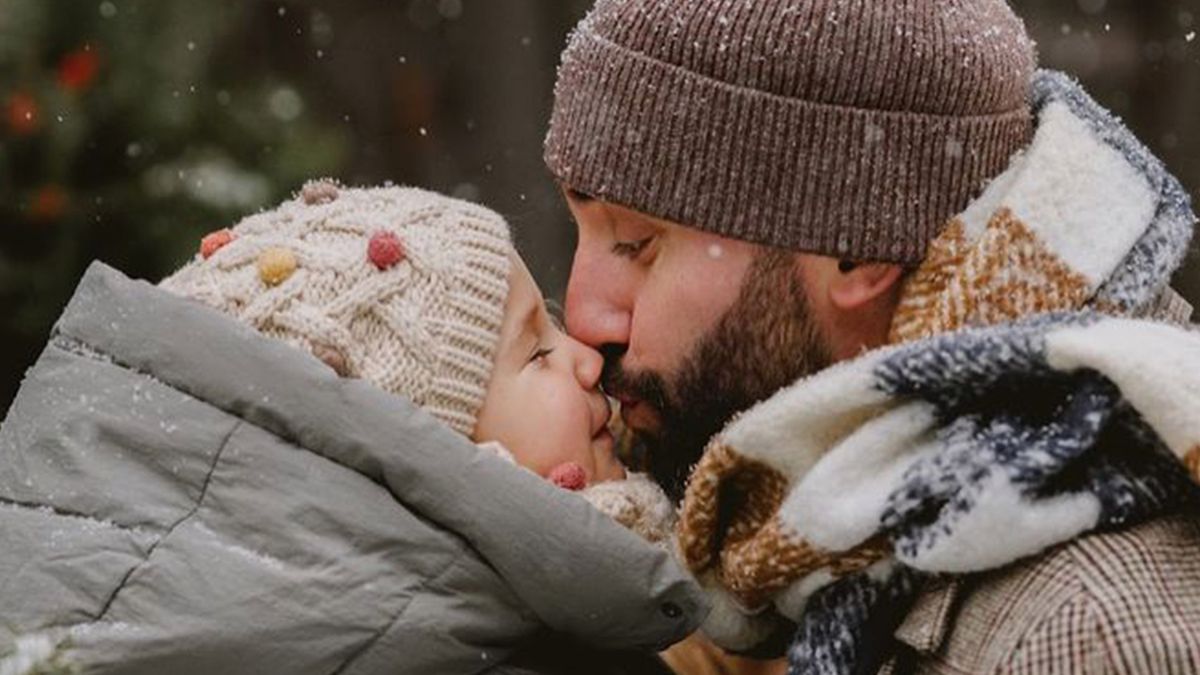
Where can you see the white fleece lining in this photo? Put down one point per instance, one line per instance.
(1067, 196)
(979, 212)
(790, 602)
(1156, 367)
(838, 505)
(1061, 187)
(728, 624)
(793, 429)
(1003, 526)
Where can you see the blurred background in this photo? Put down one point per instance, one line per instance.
(130, 128)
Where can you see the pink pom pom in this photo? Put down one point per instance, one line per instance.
(569, 476)
(213, 242)
(385, 250)
(319, 192)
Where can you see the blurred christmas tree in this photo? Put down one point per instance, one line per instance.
(128, 129)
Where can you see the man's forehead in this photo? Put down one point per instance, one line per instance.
(621, 219)
(614, 214)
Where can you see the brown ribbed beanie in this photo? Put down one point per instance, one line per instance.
(850, 128)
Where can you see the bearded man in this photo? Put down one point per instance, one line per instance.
(891, 308)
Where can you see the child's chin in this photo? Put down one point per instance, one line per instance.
(611, 469)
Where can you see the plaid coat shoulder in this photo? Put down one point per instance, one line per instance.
(1125, 602)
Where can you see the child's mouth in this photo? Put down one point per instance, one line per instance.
(602, 417)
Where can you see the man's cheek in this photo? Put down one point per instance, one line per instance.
(657, 346)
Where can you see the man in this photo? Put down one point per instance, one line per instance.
(995, 477)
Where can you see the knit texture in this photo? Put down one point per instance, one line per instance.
(1033, 394)
(398, 286)
(638, 503)
(850, 128)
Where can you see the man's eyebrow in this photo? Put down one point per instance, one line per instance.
(576, 195)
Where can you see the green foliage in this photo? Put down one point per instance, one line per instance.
(128, 129)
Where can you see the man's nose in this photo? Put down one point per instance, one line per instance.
(589, 364)
(597, 312)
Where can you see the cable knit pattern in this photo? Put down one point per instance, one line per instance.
(425, 326)
(638, 503)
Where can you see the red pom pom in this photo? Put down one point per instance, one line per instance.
(569, 476)
(213, 242)
(385, 250)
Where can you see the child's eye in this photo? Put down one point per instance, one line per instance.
(540, 353)
(631, 249)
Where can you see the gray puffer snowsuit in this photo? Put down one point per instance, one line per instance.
(179, 494)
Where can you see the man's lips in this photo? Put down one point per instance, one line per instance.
(625, 400)
(638, 415)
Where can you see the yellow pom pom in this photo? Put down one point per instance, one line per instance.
(275, 265)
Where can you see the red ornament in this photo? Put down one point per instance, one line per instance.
(21, 113)
(49, 203)
(385, 250)
(78, 69)
(569, 476)
(213, 242)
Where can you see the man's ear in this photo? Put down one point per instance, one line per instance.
(855, 286)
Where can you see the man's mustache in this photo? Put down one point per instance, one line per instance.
(620, 383)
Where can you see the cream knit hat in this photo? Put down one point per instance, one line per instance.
(401, 287)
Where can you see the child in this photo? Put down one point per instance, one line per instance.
(441, 311)
(241, 490)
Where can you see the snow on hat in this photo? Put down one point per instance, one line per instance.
(401, 287)
(851, 128)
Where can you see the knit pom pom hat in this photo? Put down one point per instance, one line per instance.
(401, 287)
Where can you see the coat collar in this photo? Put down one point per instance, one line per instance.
(637, 596)
(928, 623)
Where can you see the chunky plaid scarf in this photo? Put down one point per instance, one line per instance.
(1040, 385)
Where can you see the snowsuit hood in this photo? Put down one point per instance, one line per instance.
(180, 494)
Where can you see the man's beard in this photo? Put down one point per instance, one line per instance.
(765, 341)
